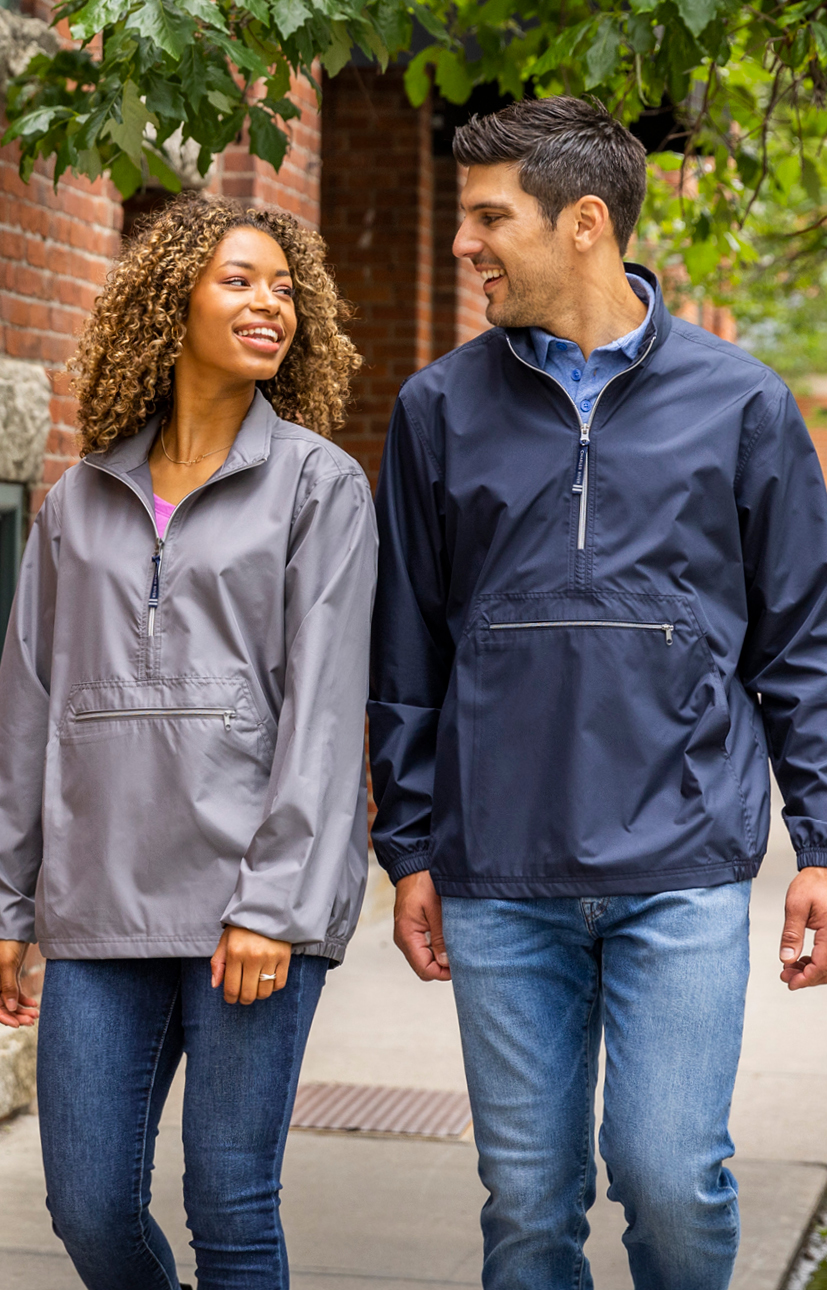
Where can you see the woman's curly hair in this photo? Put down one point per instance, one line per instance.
(123, 366)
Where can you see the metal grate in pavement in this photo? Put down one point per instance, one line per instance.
(372, 1108)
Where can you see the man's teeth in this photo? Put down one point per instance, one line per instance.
(488, 274)
(266, 332)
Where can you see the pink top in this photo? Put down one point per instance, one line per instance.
(163, 510)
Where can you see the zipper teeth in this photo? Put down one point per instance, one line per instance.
(585, 622)
(159, 541)
(113, 714)
(585, 426)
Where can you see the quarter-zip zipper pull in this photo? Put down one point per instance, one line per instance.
(582, 460)
(155, 589)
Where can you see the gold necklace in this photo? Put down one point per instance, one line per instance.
(195, 460)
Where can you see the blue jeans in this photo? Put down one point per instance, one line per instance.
(111, 1036)
(664, 978)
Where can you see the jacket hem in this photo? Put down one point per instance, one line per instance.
(811, 859)
(530, 887)
(166, 947)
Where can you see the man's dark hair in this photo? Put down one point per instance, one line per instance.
(566, 149)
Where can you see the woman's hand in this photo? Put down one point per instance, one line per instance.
(16, 1008)
(240, 960)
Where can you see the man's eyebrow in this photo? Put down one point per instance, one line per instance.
(489, 206)
(243, 264)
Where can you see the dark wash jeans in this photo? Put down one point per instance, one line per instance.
(111, 1036)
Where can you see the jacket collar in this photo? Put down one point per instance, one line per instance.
(660, 324)
(250, 448)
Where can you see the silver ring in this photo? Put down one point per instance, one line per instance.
(266, 976)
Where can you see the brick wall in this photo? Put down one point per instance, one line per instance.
(376, 200)
(55, 249)
(296, 187)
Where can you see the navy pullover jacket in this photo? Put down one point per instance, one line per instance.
(590, 631)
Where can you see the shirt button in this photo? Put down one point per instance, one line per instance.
(561, 345)
(585, 405)
(576, 374)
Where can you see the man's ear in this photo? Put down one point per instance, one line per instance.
(591, 222)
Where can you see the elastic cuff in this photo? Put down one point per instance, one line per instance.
(416, 863)
(812, 859)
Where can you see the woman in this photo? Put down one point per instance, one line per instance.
(182, 696)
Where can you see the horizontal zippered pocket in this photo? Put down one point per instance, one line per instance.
(666, 628)
(118, 714)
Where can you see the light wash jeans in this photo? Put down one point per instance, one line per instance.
(664, 978)
(112, 1033)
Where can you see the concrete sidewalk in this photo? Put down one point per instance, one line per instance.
(367, 1213)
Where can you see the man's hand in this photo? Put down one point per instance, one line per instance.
(242, 956)
(806, 907)
(417, 930)
(16, 1008)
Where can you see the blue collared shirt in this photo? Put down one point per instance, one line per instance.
(583, 380)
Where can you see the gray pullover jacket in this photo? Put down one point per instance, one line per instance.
(182, 722)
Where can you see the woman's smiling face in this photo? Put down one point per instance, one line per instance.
(242, 316)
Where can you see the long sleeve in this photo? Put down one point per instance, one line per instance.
(25, 673)
(290, 879)
(783, 509)
(412, 651)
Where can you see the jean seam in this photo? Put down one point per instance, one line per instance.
(586, 1157)
(142, 1165)
(288, 1109)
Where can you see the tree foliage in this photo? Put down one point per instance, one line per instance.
(145, 69)
(738, 185)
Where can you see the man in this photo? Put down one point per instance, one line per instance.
(603, 599)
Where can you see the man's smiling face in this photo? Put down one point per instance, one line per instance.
(511, 246)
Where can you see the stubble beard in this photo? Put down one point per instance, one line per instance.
(521, 307)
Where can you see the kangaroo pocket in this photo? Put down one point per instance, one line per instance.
(599, 741)
(153, 791)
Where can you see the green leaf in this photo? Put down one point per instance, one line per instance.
(640, 34)
(159, 168)
(96, 15)
(453, 77)
(337, 54)
(697, 14)
(644, 6)
(819, 31)
(430, 22)
(785, 173)
(125, 175)
(810, 179)
(393, 23)
(164, 96)
(129, 132)
(208, 11)
(239, 54)
(259, 9)
(603, 53)
(266, 139)
(170, 29)
(701, 259)
(289, 15)
(193, 73)
(89, 163)
(417, 80)
(665, 160)
(285, 108)
(561, 48)
(221, 102)
(36, 123)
